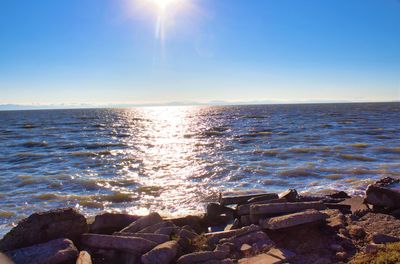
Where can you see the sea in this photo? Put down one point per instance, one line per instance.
(175, 159)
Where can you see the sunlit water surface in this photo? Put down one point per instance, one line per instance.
(175, 159)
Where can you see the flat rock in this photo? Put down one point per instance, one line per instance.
(383, 239)
(84, 258)
(194, 221)
(356, 204)
(155, 227)
(281, 253)
(284, 208)
(239, 199)
(290, 195)
(291, 220)
(162, 254)
(215, 237)
(202, 256)
(53, 252)
(384, 193)
(45, 226)
(259, 238)
(156, 238)
(261, 259)
(143, 222)
(134, 245)
(108, 223)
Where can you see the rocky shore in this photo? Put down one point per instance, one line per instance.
(247, 229)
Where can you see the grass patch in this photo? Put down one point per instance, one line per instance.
(389, 254)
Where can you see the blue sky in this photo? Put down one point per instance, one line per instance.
(107, 52)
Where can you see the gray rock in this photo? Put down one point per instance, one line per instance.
(216, 209)
(295, 219)
(284, 208)
(187, 234)
(244, 209)
(84, 258)
(52, 252)
(260, 238)
(202, 256)
(384, 193)
(162, 254)
(167, 230)
(156, 238)
(108, 223)
(143, 222)
(196, 222)
(134, 245)
(45, 226)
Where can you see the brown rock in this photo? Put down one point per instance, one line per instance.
(167, 230)
(214, 238)
(282, 254)
(356, 231)
(356, 204)
(216, 209)
(194, 221)
(162, 254)
(244, 209)
(260, 238)
(187, 234)
(202, 256)
(134, 245)
(380, 223)
(55, 251)
(261, 259)
(45, 226)
(143, 222)
(284, 208)
(156, 238)
(84, 258)
(290, 220)
(339, 195)
(108, 223)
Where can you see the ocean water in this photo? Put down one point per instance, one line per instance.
(175, 159)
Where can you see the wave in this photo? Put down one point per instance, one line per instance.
(31, 144)
(356, 157)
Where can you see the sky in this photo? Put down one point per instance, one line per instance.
(136, 52)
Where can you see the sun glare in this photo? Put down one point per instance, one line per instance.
(162, 5)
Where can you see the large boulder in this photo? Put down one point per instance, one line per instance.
(108, 223)
(45, 226)
(52, 252)
(162, 254)
(286, 221)
(384, 193)
(143, 222)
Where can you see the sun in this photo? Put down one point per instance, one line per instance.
(162, 5)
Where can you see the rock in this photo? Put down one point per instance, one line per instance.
(336, 247)
(162, 254)
(55, 251)
(343, 208)
(339, 195)
(282, 254)
(322, 260)
(246, 249)
(265, 198)
(244, 209)
(109, 223)
(342, 255)
(284, 208)
(187, 234)
(245, 220)
(134, 245)
(380, 223)
(84, 258)
(143, 222)
(226, 200)
(5, 260)
(224, 261)
(201, 256)
(290, 220)
(45, 226)
(195, 222)
(356, 231)
(261, 259)
(384, 193)
(383, 239)
(232, 226)
(290, 195)
(214, 238)
(260, 238)
(155, 227)
(372, 248)
(356, 204)
(336, 219)
(156, 238)
(216, 209)
(167, 230)
(189, 228)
